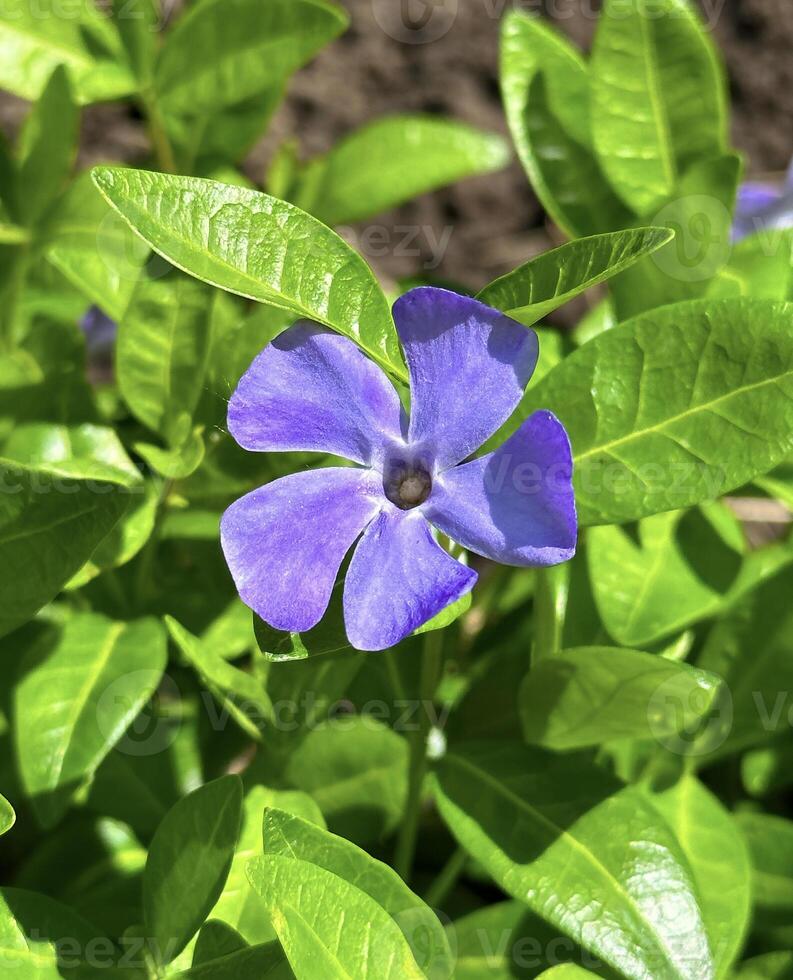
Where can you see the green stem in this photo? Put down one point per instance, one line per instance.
(550, 608)
(163, 151)
(447, 879)
(431, 666)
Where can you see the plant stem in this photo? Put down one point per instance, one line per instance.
(163, 151)
(447, 878)
(431, 666)
(550, 609)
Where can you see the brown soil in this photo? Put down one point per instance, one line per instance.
(495, 221)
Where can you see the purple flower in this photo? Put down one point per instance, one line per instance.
(763, 206)
(313, 390)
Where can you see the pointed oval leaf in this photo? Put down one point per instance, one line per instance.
(80, 690)
(544, 283)
(49, 526)
(7, 815)
(562, 836)
(593, 695)
(259, 247)
(658, 97)
(719, 861)
(222, 52)
(391, 161)
(677, 406)
(239, 906)
(289, 835)
(327, 926)
(189, 861)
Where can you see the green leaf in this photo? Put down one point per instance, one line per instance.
(392, 160)
(163, 350)
(566, 971)
(566, 174)
(41, 939)
(593, 695)
(259, 247)
(188, 863)
(177, 463)
(770, 841)
(290, 836)
(326, 925)
(679, 405)
(356, 770)
(85, 452)
(242, 694)
(700, 214)
(224, 51)
(677, 573)
(561, 835)
(770, 966)
(94, 248)
(719, 863)
(49, 526)
(530, 46)
(658, 98)
(239, 906)
(36, 38)
(47, 146)
(7, 816)
(266, 962)
(127, 538)
(13, 234)
(543, 284)
(214, 940)
(80, 690)
(750, 649)
(137, 22)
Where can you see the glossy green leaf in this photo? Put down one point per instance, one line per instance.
(566, 971)
(13, 234)
(265, 962)
(290, 836)
(770, 841)
(677, 572)
(41, 939)
(677, 406)
(94, 248)
(50, 525)
(79, 691)
(259, 247)
(560, 835)
(328, 926)
(239, 906)
(356, 770)
(242, 694)
(224, 51)
(47, 147)
(658, 97)
(87, 452)
(392, 160)
(216, 939)
(700, 214)
(530, 46)
(163, 350)
(127, 538)
(36, 38)
(565, 172)
(760, 265)
(478, 941)
(719, 863)
(593, 695)
(188, 863)
(7, 815)
(542, 284)
(179, 462)
(750, 648)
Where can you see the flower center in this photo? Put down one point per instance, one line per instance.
(406, 484)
